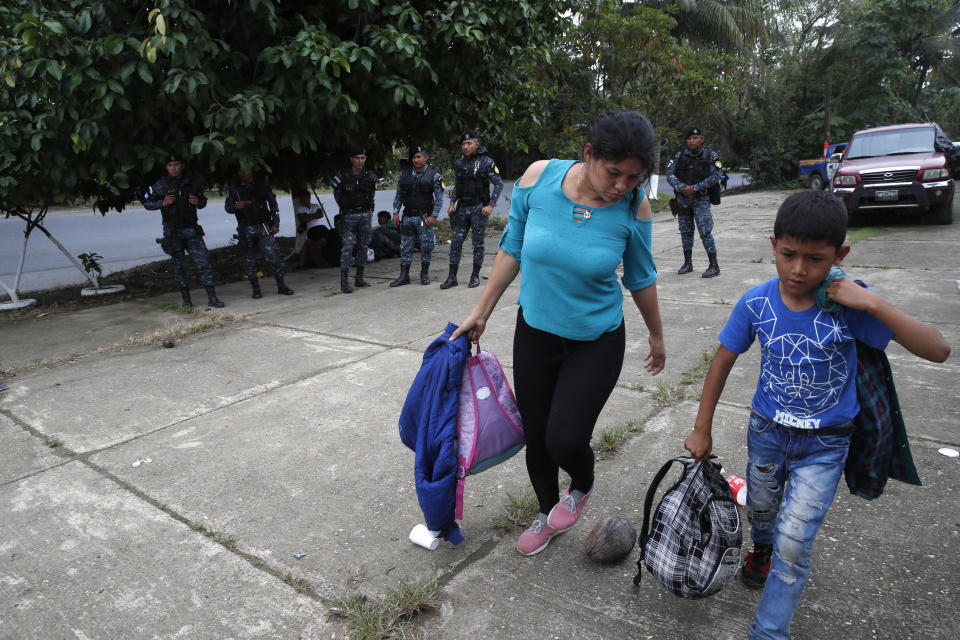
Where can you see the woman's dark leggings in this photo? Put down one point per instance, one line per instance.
(561, 387)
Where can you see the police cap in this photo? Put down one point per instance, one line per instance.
(693, 131)
(357, 151)
(469, 135)
(415, 150)
(173, 157)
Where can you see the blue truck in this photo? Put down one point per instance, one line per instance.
(815, 173)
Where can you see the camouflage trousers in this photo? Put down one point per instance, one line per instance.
(466, 220)
(255, 238)
(355, 236)
(704, 223)
(188, 240)
(411, 228)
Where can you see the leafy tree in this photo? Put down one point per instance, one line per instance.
(614, 58)
(95, 93)
(723, 25)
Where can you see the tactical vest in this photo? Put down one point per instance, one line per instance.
(416, 193)
(472, 183)
(257, 211)
(356, 191)
(181, 214)
(691, 169)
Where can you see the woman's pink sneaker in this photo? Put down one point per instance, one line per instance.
(566, 512)
(536, 538)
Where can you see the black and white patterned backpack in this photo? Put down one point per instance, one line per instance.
(692, 547)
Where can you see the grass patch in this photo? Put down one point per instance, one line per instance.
(181, 329)
(609, 441)
(52, 442)
(757, 261)
(300, 585)
(696, 373)
(221, 539)
(863, 233)
(872, 266)
(667, 395)
(175, 306)
(517, 513)
(392, 616)
(194, 323)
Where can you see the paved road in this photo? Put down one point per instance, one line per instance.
(127, 239)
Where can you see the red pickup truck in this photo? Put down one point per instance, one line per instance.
(901, 166)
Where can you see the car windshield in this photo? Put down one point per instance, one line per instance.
(892, 142)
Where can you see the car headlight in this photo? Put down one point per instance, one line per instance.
(933, 174)
(845, 181)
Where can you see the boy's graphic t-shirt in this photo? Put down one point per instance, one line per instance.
(808, 359)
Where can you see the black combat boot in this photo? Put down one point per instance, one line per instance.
(212, 299)
(185, 294)
(345, 281)
(424, 273)
(282, 288)
(687, 262)
(451, 280)
(403, 278)
(474, 277)
(359, 282)
(256, 289)
(714, 269)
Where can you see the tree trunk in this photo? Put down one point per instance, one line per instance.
(828, 98)
(37, 222)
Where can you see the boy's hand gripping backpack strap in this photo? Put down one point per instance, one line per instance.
(647, 505)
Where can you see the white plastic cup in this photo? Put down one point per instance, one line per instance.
(424, 537)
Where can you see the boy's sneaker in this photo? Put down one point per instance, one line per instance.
(566, 512)
(754, 572)
(536, 538)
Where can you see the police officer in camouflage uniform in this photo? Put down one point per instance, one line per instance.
(178, 197)
(471, 204)
(353, 189)
(258, 221)
(420, 191)
(693, 173)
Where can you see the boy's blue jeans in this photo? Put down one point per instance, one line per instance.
(792, 478)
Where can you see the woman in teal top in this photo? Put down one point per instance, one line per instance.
(571, 225)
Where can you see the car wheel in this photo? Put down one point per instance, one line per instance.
(816, 182)
(941, 213)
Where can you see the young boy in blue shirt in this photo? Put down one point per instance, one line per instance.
(806, 396)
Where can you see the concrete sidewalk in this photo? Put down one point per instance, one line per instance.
(274, 434)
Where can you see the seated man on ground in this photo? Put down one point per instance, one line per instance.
(385, 240)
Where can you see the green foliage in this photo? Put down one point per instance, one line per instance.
(517, 513)
(837, 68)
(94, 94)
(392, 616)
(615, 57)
(91, 262)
